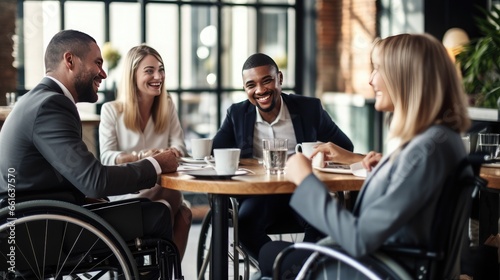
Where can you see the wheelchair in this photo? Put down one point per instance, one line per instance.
(437, 260)
(56, 239)
(238, 258)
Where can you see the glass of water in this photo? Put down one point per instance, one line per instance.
(274, 155)
(488, 143)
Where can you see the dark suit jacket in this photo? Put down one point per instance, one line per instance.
(310, 122)
(41, 147)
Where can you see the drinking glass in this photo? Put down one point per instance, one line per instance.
(488, 143)
(274, 155)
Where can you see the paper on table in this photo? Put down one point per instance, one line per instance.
(357, 169)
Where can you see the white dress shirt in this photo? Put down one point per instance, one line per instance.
(281, 127)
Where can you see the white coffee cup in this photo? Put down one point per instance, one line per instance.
(306, 148)
(226, 161)
(201, 147)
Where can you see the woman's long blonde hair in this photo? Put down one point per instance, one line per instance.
(128, 95)
(423, 84)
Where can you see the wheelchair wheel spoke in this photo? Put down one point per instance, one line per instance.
(97, 264)
(69, 253)
(85, 255)
(33, 250)
(58, 266)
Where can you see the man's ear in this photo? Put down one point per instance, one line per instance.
(68, 59)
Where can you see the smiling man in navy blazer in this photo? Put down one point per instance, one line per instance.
(41, 139)
(270, 113)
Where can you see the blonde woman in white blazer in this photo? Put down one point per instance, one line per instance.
(142, 122)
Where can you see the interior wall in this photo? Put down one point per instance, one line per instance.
(345, 33)
(8, 73)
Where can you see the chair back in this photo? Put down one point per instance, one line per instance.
(441, 258)
(451, 221)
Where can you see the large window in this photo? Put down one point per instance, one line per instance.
(203, 44)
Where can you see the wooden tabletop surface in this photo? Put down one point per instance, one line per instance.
(4, 112)
(258, 183)
(492, 175)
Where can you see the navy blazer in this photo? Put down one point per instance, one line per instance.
(42, 148)
(310, 122)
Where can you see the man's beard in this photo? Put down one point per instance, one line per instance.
(85, 89)
(271, 107)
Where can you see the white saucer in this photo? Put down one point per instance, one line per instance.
(192, 160)
(209, 173)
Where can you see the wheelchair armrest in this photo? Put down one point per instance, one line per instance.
(412, 252)
(97, 205)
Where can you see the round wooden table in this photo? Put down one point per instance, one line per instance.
(492, 175)
(259, 183)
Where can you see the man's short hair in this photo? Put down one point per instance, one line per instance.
(259, 59)
(72, 41)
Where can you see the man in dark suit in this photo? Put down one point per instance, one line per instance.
(41, 140)
(269, 113)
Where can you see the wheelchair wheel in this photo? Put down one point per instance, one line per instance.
(332, 262)
(203, 252)
(48, 239)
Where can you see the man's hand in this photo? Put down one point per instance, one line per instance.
(167, 161)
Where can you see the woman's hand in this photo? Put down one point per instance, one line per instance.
(298, 167)
(371, 160)
(332, 152)
(124, 158)
(148, 153)
(135, 156)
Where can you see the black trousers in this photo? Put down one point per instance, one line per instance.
(290, 265)
(154, 221)
(259, 213)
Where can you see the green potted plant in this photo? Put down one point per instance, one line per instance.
(480, 62)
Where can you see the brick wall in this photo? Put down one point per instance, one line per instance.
(8, 74)
(345, 32)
